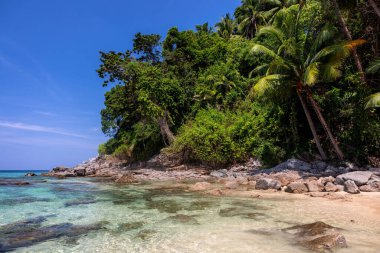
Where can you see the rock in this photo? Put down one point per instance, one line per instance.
(317, 236)
(330, 187)
(293, 164)
(372, 186)
(200, 186)
(339, 187)
(297, 187)
(30, 174)
(314, 186)
(80, 202)
(219, 173)
(231, 184)
(184, 219)
(319, 165)
(267, 183)
(131, 226)
(286, 178)
(127, 179)
(60, 169)
(80, 172)
(324, 180)
(12, 182)
(359, 177)
(65, 174)
(30, 232)
(351, 187)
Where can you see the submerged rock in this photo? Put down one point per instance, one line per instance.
(146, 234)
(80, 202)
(165, 206)
(12, 182)
(182, 218)
(131, 226)
(317, 236)
(29, 232)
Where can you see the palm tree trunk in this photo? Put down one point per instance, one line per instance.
(325, 125)
(312, 127)
(347, 33)
(375, 8)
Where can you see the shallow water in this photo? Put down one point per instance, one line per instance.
(158, 218)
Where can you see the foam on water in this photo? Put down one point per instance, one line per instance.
(152, 218)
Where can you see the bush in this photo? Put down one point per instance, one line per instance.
(220, 138)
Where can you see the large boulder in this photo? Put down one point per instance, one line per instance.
(297, 187)
(314, 186)
(267, 183)
(351, 187)
(359, 177)
(330, 187)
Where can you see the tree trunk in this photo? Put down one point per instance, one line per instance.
(312, 127)
(325, 125)
(347, 33)
(166, 133)
(375, 8)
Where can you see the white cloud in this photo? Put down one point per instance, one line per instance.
(50, 114)
(36, 128)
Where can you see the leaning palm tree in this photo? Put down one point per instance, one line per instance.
(300, 62)
(226, 27)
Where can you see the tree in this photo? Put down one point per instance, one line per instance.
(226, 27)
(300, 62)
(249, 16)
(146, 46)
(374, 99)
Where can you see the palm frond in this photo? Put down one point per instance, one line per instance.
(266, 83)
(311, 74)
(373, 101)
(261, 49)
(272, 31)
(374, 66)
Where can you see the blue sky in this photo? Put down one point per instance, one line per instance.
(50, 95)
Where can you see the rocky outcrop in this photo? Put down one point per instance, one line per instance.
(30, 174)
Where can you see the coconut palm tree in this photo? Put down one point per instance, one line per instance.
(300, 62)
(226, 27)
(249, 16)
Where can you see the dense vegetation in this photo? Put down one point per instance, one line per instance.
(281, 78)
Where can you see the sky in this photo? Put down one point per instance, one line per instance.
(50, 94)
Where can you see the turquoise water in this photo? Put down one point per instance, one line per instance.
(86, 215)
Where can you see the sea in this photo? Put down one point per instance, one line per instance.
(44, 214)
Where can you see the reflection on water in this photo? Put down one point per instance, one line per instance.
(81, 215)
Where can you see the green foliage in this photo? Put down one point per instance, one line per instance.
(219, 138)
(197, 87)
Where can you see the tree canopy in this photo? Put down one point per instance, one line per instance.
(280, 78)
